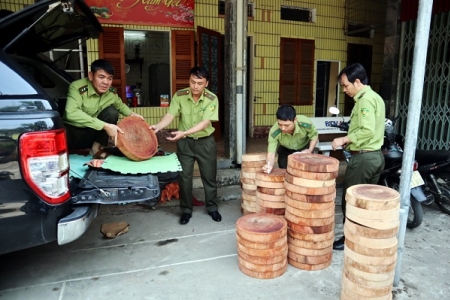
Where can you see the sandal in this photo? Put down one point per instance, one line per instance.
(100, 154)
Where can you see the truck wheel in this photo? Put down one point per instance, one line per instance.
(415, 213)
(444, 201)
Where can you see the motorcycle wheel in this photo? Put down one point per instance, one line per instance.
(443, 202)
(415, 212)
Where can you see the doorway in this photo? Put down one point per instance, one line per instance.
(326, 87)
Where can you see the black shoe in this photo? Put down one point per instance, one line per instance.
(339, 244)
(215, 216)
(185, 217)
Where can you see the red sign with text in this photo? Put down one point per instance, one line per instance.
(176, 13)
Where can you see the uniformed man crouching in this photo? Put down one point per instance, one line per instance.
(292, 133)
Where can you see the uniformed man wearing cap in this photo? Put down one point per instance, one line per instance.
(196, 108)
(365, 134)
(92, 109)
(292, 133)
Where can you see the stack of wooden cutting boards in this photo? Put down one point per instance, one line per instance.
(310, 208)
(370, 253)
(270, 192)
(251, 164)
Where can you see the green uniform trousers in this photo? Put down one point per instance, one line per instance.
(363, 168)
(202, 150)
(283, 154)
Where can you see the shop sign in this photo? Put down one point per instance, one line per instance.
(176, 13)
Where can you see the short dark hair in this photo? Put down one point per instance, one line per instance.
(353, 72)
(286, 112)
(200, 72)
(102, 64)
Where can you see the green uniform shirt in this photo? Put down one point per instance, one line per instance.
(192, 113)
(304, 132)
(84, 105)
(367, 121)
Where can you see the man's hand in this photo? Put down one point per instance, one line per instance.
(267, 168)
(176, 135)
(303, 151)
(137, 115)
(155, 128)
(339, 142)
(112, 130)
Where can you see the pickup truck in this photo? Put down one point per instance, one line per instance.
(40, 200)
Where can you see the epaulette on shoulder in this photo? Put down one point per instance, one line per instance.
(83, 89)
(304, 125)
(362, 95)
(209, 96)
(113, 90)
(183, 92)
(276, 133)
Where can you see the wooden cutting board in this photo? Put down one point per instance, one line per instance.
(263, 275)
(307, 205)
(372, 197)
(311, 214)
(312, 198)
(308, 259)
(310, 245)
(261, 227)
(312, 175)
(309, 267)
(310, 183)
(254, 157)
(261, 246)
(263, 252)
(366, 232)
(271, 191)
(262, 260)
(270, 210)
(315, 163)
(277, 175)
(311, 237)
(265, 267)
(311, 229)
(308, 190)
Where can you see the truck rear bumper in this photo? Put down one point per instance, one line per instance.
(74, 225)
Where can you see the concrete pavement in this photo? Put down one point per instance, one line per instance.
(160, 259)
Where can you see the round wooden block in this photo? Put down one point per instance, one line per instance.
(308, 221)
(361, 249)
(310, 252)
(310, 260)
(380, 215)
(312, 175)
(248, 197)
(254, 157)
(267, 197)
(311, 229)
(262, 260)
(261, 227)
(270, 204)
(249, 204)
(315, 163)
(271, 191)
(370, 268)
(261, 246)
(277, 175)
(263, 252)
(246, 186)
(312, 198)
(263, 275)
(370, 260)
(309, 267)
(249, 192)
(307, 205)
(245, 211)
(349, 295)
(138, 142)
(311, 237)
(253, 164)
(270, 210)
(307, 190)
(375, 224)
(262, 267)
(248, 181)
(372, 197)
(269, 184)
(382, 276)
(310, 183)
(250, 170)
(370, 233)
(373, 243)
(310, 245)
(311, 214)
(365, 292)
(249, 208)
(250, 175)
(370, 284)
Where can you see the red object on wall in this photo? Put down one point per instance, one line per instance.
(410, 8)
(175, 13)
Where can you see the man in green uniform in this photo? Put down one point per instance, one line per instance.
(92, 109)
(365, 134)
(196, 108)
(292, 133)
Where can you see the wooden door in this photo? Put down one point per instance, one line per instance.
(183, 58)
(111, 48)
(210, 56)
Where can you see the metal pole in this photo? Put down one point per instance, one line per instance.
(412, 124)
(241, 37)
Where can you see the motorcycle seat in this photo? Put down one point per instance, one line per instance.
(432, 156)
(392, 158)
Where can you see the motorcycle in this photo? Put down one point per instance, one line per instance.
(390, 176)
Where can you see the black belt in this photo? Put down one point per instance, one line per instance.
(198, 138)
(361, 151)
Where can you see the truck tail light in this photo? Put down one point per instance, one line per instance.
(45, 165)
